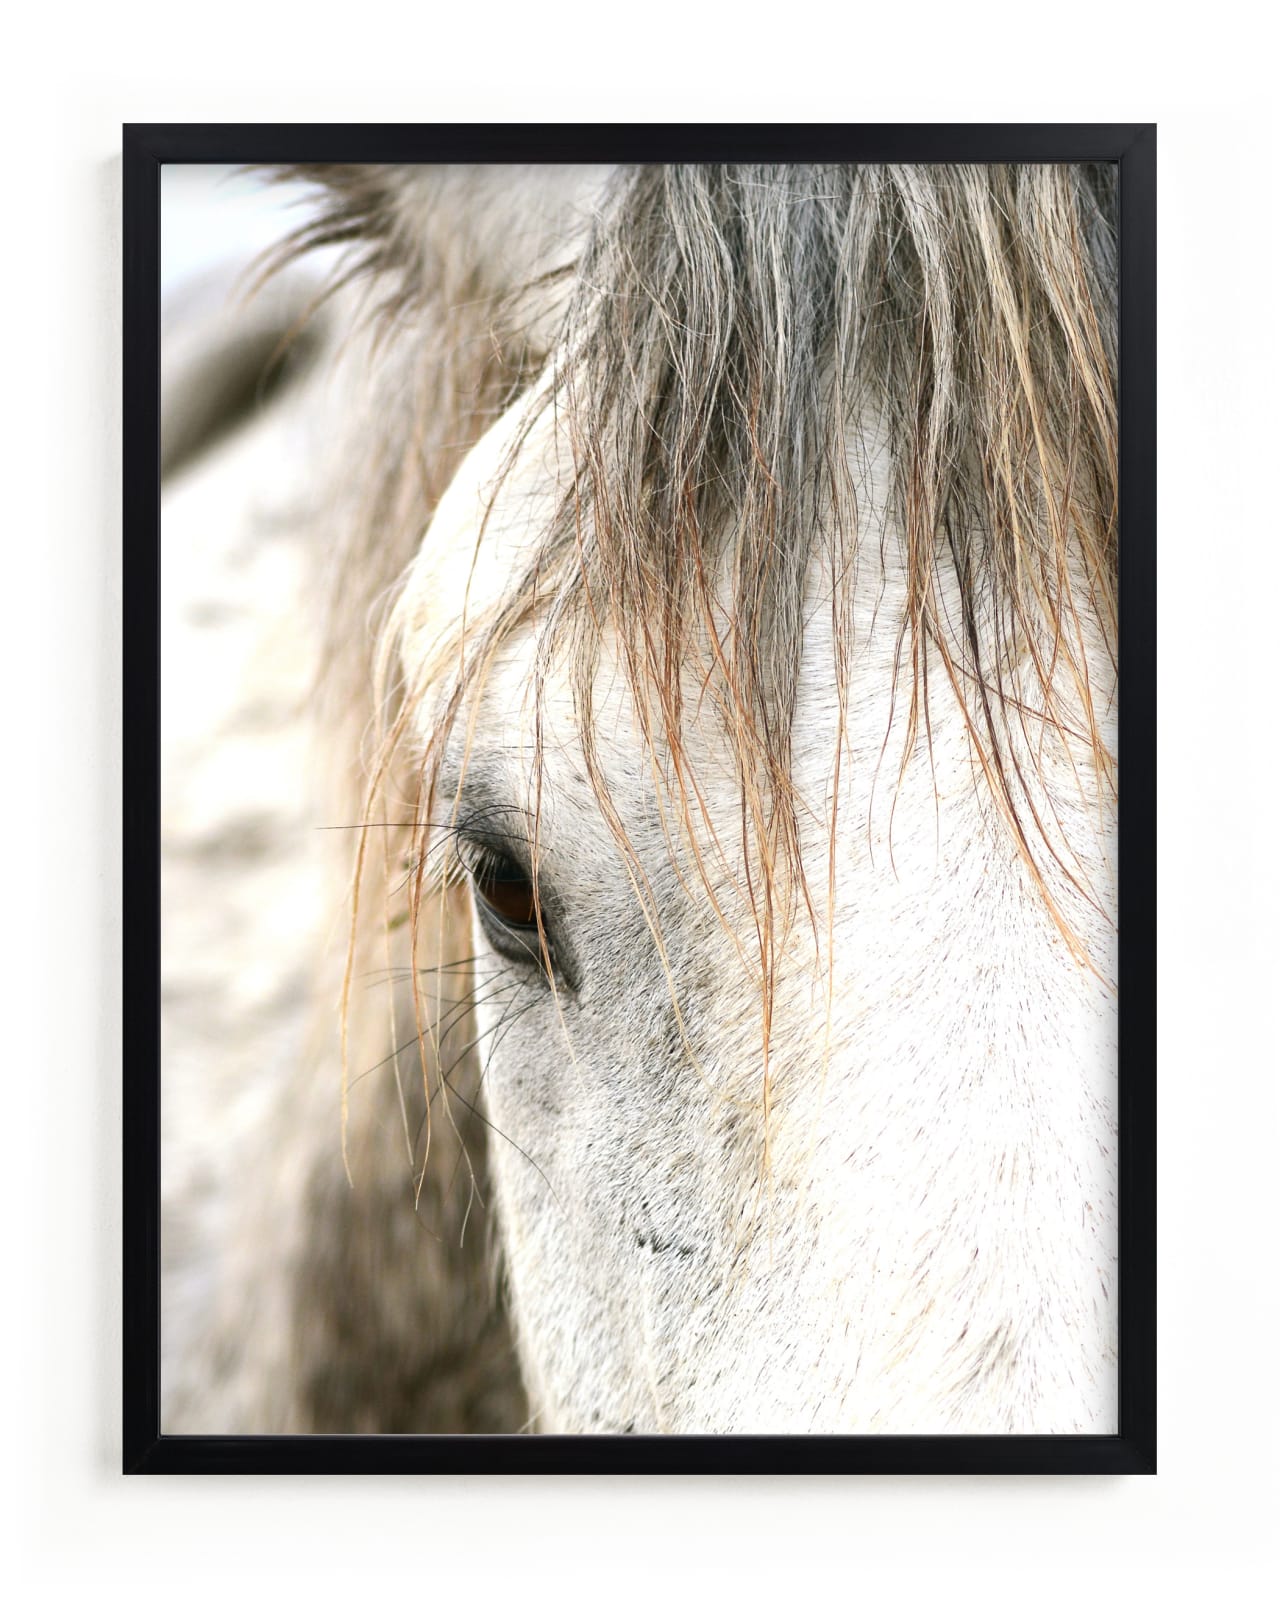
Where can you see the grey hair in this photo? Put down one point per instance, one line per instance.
(709, 334)
(726, 326)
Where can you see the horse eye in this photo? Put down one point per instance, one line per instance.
(508, 892)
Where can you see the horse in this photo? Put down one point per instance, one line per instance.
(720, 682)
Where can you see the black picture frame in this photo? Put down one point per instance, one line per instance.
(1132, 1449)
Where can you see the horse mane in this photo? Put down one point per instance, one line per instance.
(708, 335)
(728, 326)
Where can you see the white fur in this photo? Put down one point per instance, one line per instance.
(930, 1244)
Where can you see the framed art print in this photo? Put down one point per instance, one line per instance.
(639, 798)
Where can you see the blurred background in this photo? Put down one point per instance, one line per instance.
(215, 216)
(241, 870)
(292, 1299)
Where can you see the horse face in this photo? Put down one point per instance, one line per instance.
(886, 1205)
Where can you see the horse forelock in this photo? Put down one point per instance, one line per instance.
(727, 328)
(731, 326)
(706, 346)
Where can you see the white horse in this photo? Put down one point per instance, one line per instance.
(738, 830)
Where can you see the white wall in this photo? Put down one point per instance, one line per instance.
(69, 82)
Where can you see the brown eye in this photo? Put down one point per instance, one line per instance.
(511, 920)
(508, 892)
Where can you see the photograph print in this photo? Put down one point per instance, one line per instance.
(639, 847)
